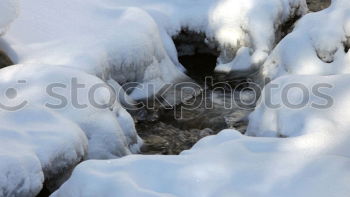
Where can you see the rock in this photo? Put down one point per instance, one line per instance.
(317, 5)
(4, 60)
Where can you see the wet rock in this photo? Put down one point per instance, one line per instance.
(155, 143)
(162, 138)
(206, 132)
(178, 129)
(4, 60)
(317, 5)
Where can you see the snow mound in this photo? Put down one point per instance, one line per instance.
(8, 10)
(228, 164)
(247, 31)
(314, 104)
(37, 145)
(318, 45)
(114, 43)
(79, 97)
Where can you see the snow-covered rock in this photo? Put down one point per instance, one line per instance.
(228, 164)
(8, 12)
(81, 98)
(113, 43)
(318, 45)
(36, 145)
(296, 105)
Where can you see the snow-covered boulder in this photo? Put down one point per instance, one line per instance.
(228, 164)
(37, 145)
(79, 97)
(295, 105)
(114, 43)
(318, 45)
(248, 30)
(8, 12)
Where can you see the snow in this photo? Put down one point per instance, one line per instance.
(121, 44)
(322, 112)
(316, 46)
(228, 164)
(130, 41)
(110, 129)
(313, 161)
(53, 131)
(35, 144)
(235, 24)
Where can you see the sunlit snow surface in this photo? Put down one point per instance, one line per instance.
(318, 45)
(227, 164)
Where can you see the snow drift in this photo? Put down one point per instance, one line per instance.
(37, 145)
(228, 164)
(81, 98)
(47, 131)
(314, 104)
(115, 44)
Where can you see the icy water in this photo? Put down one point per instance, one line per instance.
(180, 128)
(220, 105)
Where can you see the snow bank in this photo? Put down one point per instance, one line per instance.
(318, 45)
(37, 145)
(82, 98)
(227, 164)
(8, 10)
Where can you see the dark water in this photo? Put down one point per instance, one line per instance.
(219, 106)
